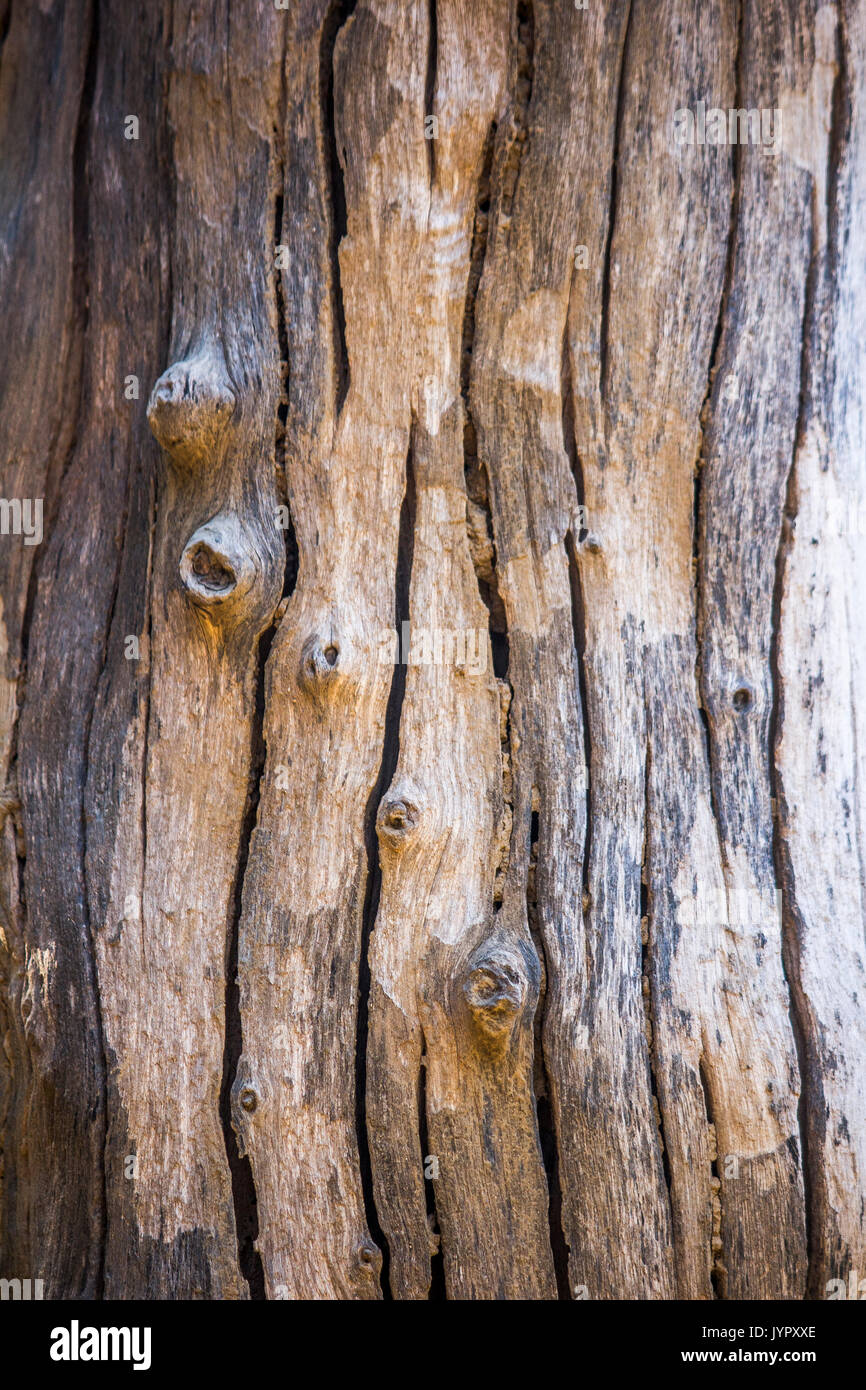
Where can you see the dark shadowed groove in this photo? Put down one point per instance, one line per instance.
(477, 255)
(291, 567)
(338, 15)
(438, 1292)
(544, 1114)
(5, 21)
(474, 471)
(243, 1185)
(280, 309)
(841, 106)
(716, 1277)
(387, 767)
(244, 1196)
(611, 216)
(58, 470)
(430, 85)
(578, 607)
(517, 133)
(646, 965)
(578, 628)
(811, 1111)
(698, 504)
(81, 280)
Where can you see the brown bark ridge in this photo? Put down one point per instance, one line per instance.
(431, 733)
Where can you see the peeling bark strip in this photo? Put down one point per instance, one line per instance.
(343, 962)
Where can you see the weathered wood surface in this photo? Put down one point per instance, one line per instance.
(530, 966)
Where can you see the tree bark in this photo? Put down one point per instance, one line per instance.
(431, 720)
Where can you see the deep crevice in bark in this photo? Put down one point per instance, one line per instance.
(578, 627)
(387, 768)
(578, 606)
(338, 15)
(611, 218)
(291, 567)
(698, 504)
(81, 280)
(811, 1111)
(482, 544)
(430, 88)
(518, 131)
(646, 983)
(5, 21)
(438, 1292)
(243, 1185)
(547, 1134)
(717, 1268)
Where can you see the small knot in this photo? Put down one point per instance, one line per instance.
(592, 543)
(248, 1099)
(494, 991)
(397, 817)
(369, 1257)
(743, 698)
(319, 662)
(216, 563)
(191, 404)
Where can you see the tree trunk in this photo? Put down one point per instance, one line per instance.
(432, 739)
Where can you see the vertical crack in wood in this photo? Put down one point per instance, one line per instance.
(811, 1110)
(387, 767)
(700, 462)
(611, 217)
(290, 539)
(482, 544)
(578, 605)
(717, 1268)
(81, 239)
(547, 1134)
(646, 968)
(430, 90)
(242, 1182)
(338, 15)
(5, 21)
(578, 627)
(244, 1197)
(518, 132)
(438, 1292)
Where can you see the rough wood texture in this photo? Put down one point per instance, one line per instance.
(432, 744)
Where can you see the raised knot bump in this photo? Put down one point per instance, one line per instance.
(217, 564)
(369, 1257)
(320, 660)
(396, 819)
(495, 991)
(191, 404)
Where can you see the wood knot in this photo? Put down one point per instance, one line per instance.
(190, 406)
(248, 1100)
(369, 1257)
(217, 563)
(245, 1101)
(397, 818)
(495, 992)
(320, 662)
